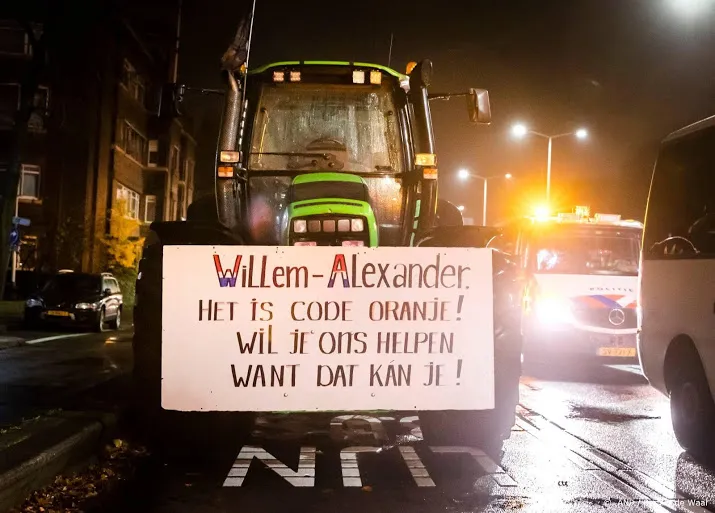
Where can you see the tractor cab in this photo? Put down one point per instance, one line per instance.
(350, 124)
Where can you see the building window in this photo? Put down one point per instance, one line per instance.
(174, 161)
(187, 170)
(133, 143)
(153, 153)
(14, 40)
(134, 82)
(131, 199)
(9, 103)
(150, 209)
(181, 201)
(41, 105)
(29, 186)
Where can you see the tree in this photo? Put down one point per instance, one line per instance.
(123, 245)
(28, 90)
(123, 242)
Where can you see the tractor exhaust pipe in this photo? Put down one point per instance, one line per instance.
(227, 202)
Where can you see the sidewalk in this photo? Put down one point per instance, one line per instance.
(34, 452)
(7, 342)
(10, 315)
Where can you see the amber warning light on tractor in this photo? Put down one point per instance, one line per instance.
(225, 172)
(425, 159)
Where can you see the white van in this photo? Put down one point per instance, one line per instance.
(580, 277)
(676, 340)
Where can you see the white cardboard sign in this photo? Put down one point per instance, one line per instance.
(258, 328)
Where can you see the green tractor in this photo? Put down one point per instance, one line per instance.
(325, 153)
(329, 209)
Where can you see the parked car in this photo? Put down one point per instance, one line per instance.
(77, 299)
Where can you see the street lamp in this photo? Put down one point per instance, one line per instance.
(691, 8)
(520, 130)
(463, 174)
(460, 208)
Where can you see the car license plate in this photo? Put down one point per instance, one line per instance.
(58, 313)
(617, 351)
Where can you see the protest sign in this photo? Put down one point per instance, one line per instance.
(258, 328)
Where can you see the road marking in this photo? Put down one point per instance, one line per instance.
(304, 476)
(488, 465)
(633, 369)
(56, 337)
(417, 468)
(349, 464)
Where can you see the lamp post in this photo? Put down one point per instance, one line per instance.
(465, 175)
(519, 130)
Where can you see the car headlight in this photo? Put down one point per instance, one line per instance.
(552, 310)
(85, 306)
(357, 225)
(31, 303)
(300, 226)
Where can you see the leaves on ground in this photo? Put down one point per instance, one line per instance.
(72, 493)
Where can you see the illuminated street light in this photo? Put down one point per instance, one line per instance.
(464, 174)
(690, 7)
(519, 130)
(460, 208)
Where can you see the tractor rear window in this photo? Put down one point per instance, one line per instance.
(319, 190)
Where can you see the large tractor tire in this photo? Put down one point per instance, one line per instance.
(485, 429)
(175, 435)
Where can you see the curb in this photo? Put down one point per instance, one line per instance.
(40, 469)
(7, 342)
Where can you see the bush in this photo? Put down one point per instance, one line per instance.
(127, 279)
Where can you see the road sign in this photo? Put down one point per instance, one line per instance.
(14, 237)
(22, 221)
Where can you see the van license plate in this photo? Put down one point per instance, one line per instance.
(617, 351)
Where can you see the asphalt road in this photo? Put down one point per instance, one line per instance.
(59, 369)
(587, 439)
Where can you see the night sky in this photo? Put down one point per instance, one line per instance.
(630, 71)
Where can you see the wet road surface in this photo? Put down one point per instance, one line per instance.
(586, 439)
(58, 369)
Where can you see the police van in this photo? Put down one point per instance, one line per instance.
(579, 276)
(676, 341)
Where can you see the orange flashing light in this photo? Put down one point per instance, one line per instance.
(410, 66)
(225, 171)
(542, 212)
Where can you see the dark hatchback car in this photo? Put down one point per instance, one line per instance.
(77, 299)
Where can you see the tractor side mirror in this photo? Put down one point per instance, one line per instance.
(479, 107)
(448, 214)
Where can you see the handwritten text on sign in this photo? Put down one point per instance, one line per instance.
(257, 328)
